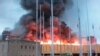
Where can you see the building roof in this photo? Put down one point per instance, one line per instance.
(18, 41)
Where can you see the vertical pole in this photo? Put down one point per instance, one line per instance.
(37, 17)
(60, 40)
(40, 23)
(43, 25)
(40, 26)
(70, 45)
(90, 48)
(80, 38)
(52, 31)
(37, 28)
(94, 36)
(43, 29)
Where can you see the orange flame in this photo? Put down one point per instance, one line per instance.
(62, 35)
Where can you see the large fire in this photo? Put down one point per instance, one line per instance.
(41, 31)
(62, 34)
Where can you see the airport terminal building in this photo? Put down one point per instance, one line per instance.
(26, 48)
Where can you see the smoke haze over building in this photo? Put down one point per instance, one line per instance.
(13, 7)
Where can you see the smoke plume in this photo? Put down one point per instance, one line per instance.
(31, 30)
(44, 13)
(30, 5)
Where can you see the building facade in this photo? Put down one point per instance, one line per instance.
(26, 48)
(74, 50)
(19, 48)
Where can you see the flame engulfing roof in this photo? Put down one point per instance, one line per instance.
(41, 30)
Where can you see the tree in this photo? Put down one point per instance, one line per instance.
(67, 54)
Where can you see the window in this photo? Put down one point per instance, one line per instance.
(33, 47)
(25, 47)
(29, 47)
(21, 47)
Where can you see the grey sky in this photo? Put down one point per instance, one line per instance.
(10, 13)
(71, 17)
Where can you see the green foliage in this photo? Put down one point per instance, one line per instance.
(67, 54)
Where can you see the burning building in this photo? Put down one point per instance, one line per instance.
(29, 48)
(38, 24)
(43, 24)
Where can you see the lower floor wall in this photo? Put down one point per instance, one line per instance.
(59, 55)
(76, 54)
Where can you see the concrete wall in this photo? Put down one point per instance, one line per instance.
(23, 48)
(19, 48)
(46, 49)
(3, 48)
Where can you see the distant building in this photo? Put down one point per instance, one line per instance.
(19, 48)
(6, 34)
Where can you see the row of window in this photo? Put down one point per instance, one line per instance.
(26, 55)
(27, 47)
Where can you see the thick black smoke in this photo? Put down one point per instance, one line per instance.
(30, 5)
